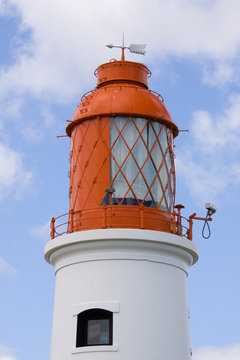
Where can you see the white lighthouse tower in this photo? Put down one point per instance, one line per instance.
(121, 262)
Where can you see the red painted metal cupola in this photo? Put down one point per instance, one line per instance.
(121, 161)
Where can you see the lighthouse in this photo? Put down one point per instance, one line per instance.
(120, 254)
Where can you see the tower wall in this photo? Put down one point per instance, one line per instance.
(138, 275)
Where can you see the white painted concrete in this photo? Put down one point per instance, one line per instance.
(139, 275)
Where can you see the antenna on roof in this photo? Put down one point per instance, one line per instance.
(133, 48)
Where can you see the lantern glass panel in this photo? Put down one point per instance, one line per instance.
(141, 162)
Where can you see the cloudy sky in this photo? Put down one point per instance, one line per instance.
(49, 51)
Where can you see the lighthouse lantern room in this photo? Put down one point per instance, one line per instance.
(121, 153)
(121, 258)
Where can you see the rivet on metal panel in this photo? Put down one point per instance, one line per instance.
(83, 110)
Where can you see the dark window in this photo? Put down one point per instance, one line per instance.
(94, 327)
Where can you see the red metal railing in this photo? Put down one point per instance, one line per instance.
(183, 230)
(181, 225)
(179, 228)
(110, 216)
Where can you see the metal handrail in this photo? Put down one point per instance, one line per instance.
(87, 94)
(157, 94)
(178, 227)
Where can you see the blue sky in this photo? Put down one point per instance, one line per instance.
(49, 51)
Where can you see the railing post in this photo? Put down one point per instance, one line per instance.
(189, 232)
(110, 191)
(141, 217)
(179, 223)
(174, 222)
(71, 221)
(52, 228)
(179, 219)
(104, 216)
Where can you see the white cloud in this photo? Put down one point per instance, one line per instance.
(231, 352)
(3, 7)
(6, 353)
(32, 133)
(13, 177)
(48, 118)
(210, 162)
(6, 269)
(221, 130)
(11, 107)
(64, 41)
(201, 176)
(7, 357)
(67, 39)
(42, 231)
(221, 74)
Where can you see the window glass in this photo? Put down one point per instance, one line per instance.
(94, 327)
(129, 133)
(98, 331)
(141, 162)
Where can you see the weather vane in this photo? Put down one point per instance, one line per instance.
(133, 48)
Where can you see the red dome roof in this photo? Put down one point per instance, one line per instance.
(122, 91)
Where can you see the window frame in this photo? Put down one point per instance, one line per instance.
(82, 326)
(110, 305)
